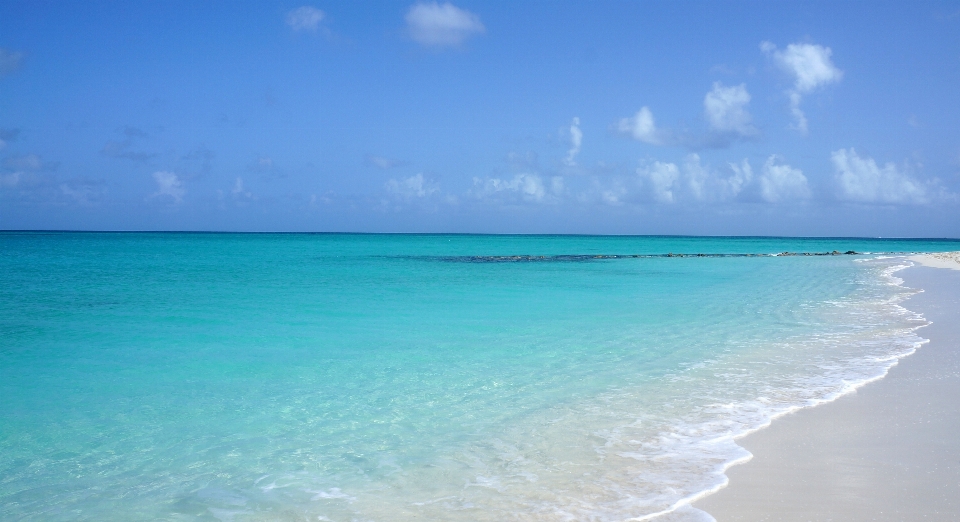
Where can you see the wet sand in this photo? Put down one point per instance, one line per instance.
(890, 451)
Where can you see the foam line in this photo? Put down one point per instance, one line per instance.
(846, 389)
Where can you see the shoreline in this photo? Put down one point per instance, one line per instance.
(948, 260)
(886, 451)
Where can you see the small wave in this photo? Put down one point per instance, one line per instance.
(901, 343)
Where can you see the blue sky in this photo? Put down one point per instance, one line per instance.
(769, 118)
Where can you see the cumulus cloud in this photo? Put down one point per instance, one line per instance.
(661, 177)
(780, 182)
(809, 64)
(305, 18)
(777, 181)
(726, 110)
(642, 127)
(811, 68)
(416, 186)
(9, 61)
(707, 184)
(441, 25)
(576, 139)
(239, 192)
(698, 176)
(168, 185)
(611, 190)
(861, 179)
(692, 180)
(734, 184)
(524, 186)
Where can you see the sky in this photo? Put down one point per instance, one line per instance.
(599, 117)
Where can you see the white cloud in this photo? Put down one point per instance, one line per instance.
(698, 176)
(742, 176)
(798, 114)
(527, 187)
(576, 139)
(614, 191)
(726, 109)
(642, 127)
(707, 184)
(809, 64)
(239, 191)
(305, 18)
(861, 179)
(661, 177)
(413, 187)
(667, 182)
(780, 182)
(168, 184)
(811, 68)
(776, 182)
(440, 25)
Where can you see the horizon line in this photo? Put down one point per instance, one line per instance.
(530, 234)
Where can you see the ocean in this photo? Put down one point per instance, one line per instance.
(354, 377)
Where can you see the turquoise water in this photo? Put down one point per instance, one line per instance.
(398, 377)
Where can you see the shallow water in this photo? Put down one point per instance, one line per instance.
(394, 377)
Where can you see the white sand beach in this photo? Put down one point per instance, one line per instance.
(889, 451)
(949, 260)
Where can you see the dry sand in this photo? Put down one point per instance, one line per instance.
(939, 260)
(890, 451)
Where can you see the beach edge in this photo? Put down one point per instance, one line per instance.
(867, 455)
